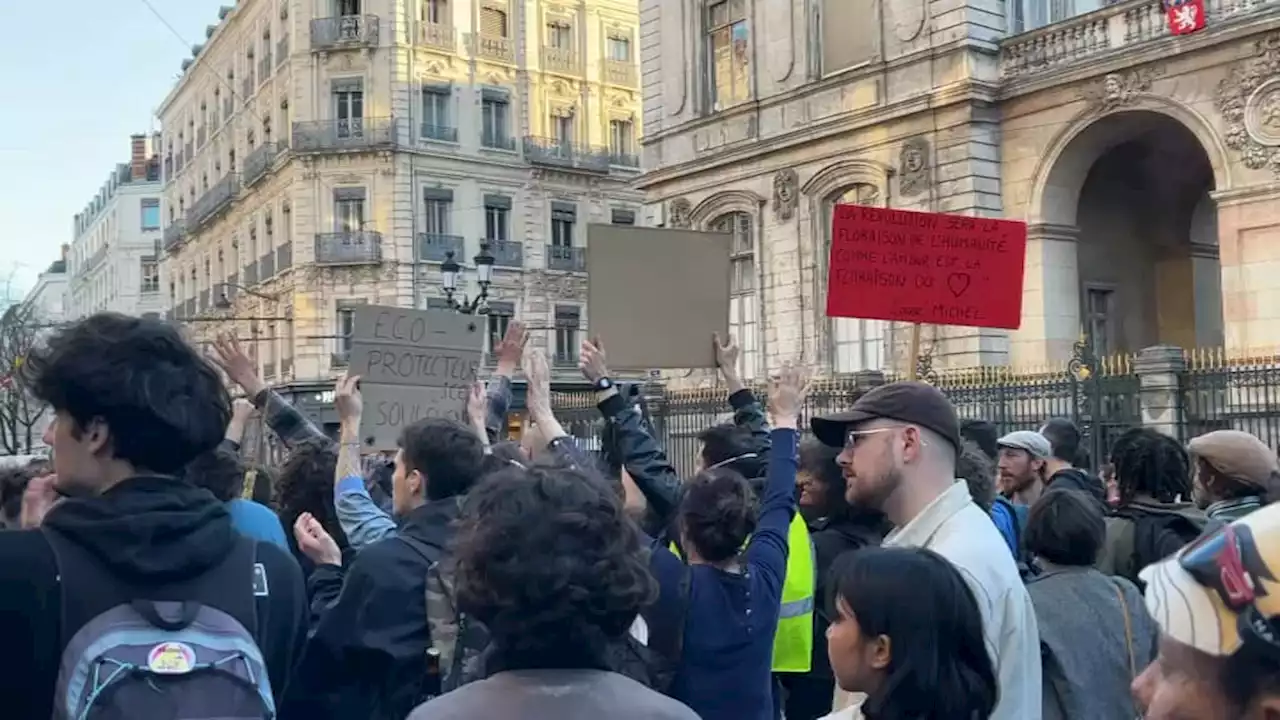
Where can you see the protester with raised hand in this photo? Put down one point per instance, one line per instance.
(363, 522)
(291, 426)
(736, 593)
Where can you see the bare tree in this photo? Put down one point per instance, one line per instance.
(20, 412)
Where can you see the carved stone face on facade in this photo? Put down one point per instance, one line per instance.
(678, 213)
(913, 167)
(785, 194)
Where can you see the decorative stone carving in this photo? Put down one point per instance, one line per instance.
(555, 286)
(1249, 100)
(1117, 89)
(678, 213)
(562, 111)
(913, 167)
(785, 193)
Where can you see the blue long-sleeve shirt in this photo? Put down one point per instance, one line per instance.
(726, 670)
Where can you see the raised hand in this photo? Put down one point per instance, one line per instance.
(315, 542)
(511, 347)
(228, 355)
(592, 360)
(347, 399)
(37, 500)
(538, 374)
(787, 390)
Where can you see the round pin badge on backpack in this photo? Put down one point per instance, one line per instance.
(171, 658)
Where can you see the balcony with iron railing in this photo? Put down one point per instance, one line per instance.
(174, 234)
(1113, 31)
(267, 265)
(345, 31)
(562, 154)
(492, 47)
(354, 134)
(440, 37)
(496, 141)
(282, 50)
(188, 152)
(229, 289)
(619, 158)
(360, 247)
(507, 253)
(258, 162)
(284, 257)
(620, 72)
(204, 304)
(434, 247)
(563, 257)
(95, 259)
(561, 60)
(216, 199)
(439, 133)
(250, 274)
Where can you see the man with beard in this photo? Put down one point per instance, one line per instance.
(1020, 465)
(899, 446)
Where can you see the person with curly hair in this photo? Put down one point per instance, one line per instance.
(305, 485)
(1155, 516)
(548, 562)
(223, 473)
(133, 403)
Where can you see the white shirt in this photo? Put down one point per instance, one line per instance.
(957, 529)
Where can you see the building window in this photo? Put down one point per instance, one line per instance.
(619, 48)
(435, 12)
(349, 111)
(559, 35)
(621, 134)
(493, 22)
(743, 322)
(438, 215)
(622, 216)
(1098, 304)
(493, 119)
(436, 120)
(500, 314)
(728, 53)
(150, 276)
(567, 317)
(562, 129)
(151, 214)
(346, 327)
(562, 222)
(347, 8)
(497, 223)
(348, 214)
(857, 344)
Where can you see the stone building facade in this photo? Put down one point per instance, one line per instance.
(1147, 166)
(315, 160)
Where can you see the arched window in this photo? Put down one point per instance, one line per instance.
(856, 344)
(743, 321)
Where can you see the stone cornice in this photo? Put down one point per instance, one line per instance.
(1248, 194)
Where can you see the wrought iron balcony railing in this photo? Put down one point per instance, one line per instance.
(216, 199)
(258, 162)
(564, 154)
(507, 253)
(441, 37)
(492, 47)
(622, 159)
(562, 257)
(174, 234)
(344, 31)
(620, 72)
(498, 141)
(284, 257)
(267, 265)
(433, 247)
(363, 247)
(344, 135)
(561, 60)
(442, 133)
(251, 273)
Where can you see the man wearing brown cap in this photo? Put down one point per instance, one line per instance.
(899, 445)
(1233, 474)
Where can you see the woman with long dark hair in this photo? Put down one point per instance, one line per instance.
(906, 631)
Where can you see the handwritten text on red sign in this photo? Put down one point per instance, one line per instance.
(925, 267)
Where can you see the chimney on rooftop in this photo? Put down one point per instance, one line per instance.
(138, 157)
(66, 249)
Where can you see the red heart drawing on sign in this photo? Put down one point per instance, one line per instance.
(958, 283)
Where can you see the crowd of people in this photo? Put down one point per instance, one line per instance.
(888, 562)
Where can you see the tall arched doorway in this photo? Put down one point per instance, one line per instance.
(1133, 191)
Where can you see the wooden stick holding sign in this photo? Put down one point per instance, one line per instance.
(413, 364)
(917, 267)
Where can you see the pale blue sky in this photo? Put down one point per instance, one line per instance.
(80, 77)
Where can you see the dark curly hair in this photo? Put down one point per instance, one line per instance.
(162, 403)
(819, 460)
(548, 561)
(1150, 463)
(718, 513)
(220, 471)
(306, 485)
(976, 469)
(731, 446)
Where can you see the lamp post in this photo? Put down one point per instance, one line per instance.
(449, 271)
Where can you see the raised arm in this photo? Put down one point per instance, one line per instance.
(508, 352)
(747, 412)
(291, 426)
(363, 522)
(558, 442)
(767, 552)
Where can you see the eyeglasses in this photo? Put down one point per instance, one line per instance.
(851, 438)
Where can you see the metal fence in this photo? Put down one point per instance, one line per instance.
(1218, 392)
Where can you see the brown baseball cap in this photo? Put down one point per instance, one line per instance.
(1240, 456)
(910, 402)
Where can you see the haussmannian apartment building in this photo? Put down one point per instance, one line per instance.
(315, 161)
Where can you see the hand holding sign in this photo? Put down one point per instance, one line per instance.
(347, 399)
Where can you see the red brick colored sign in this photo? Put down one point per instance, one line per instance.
(925, 267)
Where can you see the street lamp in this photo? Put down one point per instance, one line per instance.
(449, 270)
(222, 302)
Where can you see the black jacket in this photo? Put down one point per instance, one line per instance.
(1081, 481)
(831, 539)
(368, 656)
(155, 537)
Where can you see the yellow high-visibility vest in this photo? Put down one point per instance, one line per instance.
(793, 641)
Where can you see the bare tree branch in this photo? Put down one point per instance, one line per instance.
(20, 412)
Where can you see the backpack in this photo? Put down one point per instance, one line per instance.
(162, 659)
(1018, 513)
(1138, 536)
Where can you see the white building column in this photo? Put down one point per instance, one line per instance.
(1050, 297)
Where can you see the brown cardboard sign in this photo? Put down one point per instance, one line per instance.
(412, 364)
(656, 296)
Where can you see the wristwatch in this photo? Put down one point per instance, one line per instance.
(603, 384)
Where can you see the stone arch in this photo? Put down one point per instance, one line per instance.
(845, 173)
(724, 202)
(1060, 175)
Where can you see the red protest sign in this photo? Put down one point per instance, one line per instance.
(925, 267)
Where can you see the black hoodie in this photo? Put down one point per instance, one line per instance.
(154, 537)
(1080, 481)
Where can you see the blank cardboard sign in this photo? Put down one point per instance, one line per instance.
(412, 364)
(656, 296)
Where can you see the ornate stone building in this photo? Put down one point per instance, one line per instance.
(1147, 166)
(319, 156)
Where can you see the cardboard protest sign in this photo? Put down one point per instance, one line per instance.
(925, 267)
(656, 296)
(412, 364)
